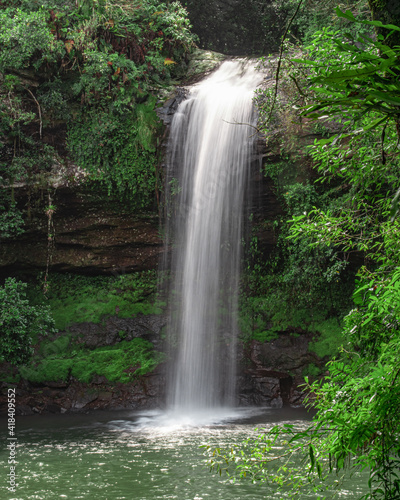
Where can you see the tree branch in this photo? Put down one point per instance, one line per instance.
(39, 110)
(280, 61)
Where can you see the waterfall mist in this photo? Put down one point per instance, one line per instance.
(210, 148)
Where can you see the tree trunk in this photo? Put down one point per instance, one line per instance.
(388, 12)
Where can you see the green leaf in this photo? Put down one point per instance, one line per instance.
(346, 15)
(375, 123)
(350, 17)
(312, 457)
(385, 96)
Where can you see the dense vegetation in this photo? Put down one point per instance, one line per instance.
(36, 335)
(69, 67)
(20, 322)
(345, 82)
(79, 83)
(300, 287)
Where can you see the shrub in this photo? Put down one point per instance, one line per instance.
(20, 323)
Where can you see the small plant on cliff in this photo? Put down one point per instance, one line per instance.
(20, 323)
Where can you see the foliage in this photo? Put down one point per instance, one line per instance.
(345, 216)
(330, 339)
(255, 320)
(78, 299)
(136, 37)
(367, 84)
(122, 362)
(356, 424)
(123, 155)
(94, 66)
(299, 286)
(22, 158)
(277, 109)
(311, 370)
(315, 16)
(21, 324)
(24, 38)
(11, 222)
(271, 306)
(363, 156)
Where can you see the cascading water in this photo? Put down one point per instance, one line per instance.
(209, 153)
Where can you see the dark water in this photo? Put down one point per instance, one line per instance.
(126, 455)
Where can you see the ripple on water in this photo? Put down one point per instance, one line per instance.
(144, 456)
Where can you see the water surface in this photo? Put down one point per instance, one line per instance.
(136, 456)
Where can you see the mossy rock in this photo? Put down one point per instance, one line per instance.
(201, 63)
(123, 362)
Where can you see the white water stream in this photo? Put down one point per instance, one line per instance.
(210, 149)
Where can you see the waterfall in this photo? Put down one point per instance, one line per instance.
(210, 147)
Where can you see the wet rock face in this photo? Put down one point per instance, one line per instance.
(271, 372)
(259, 391)
(201, 64)
(168, 109)
(90, 236)
(143, 393)
(107, 333)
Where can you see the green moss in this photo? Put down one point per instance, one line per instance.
(9, 379)
(265, 336)
(254, 321)
(122, 159)
(330, 339)
(47, 370)
(263, 317)
(75, 299)
(94, 308)
(79, 299)
(119, 363)
(55, 347)
(311, 370)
